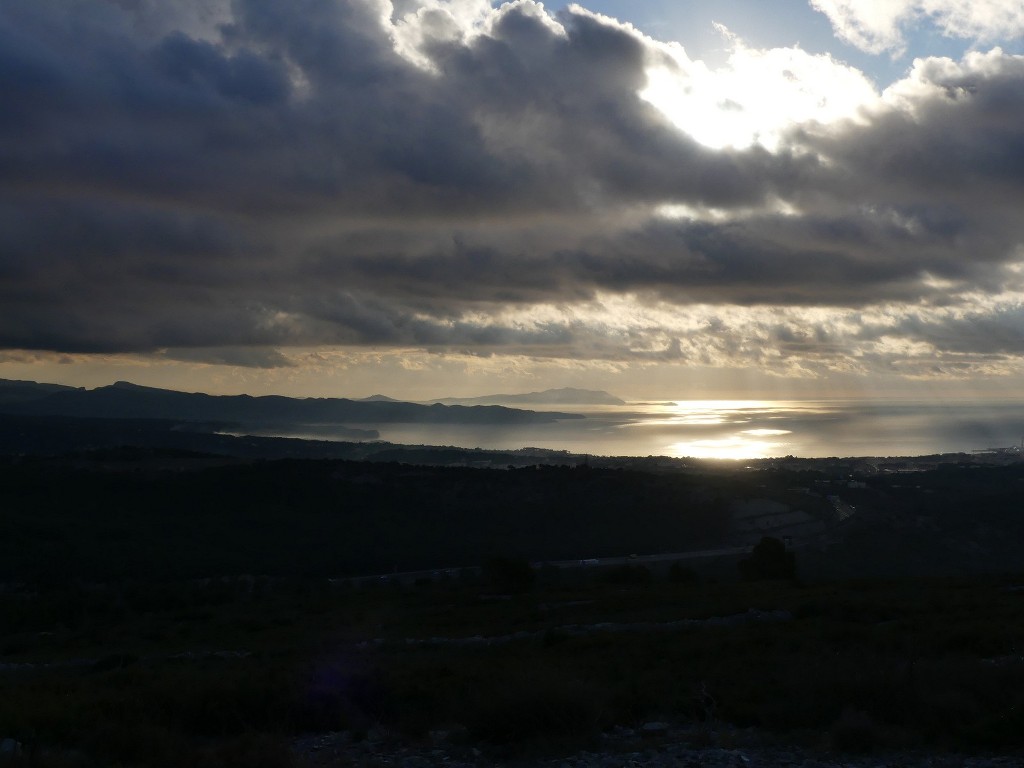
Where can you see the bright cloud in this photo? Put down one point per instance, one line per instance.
(757, 96)
(880, 25)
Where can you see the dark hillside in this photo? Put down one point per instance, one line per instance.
(330, 518)
(12, 391)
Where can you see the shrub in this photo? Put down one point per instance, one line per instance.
(854, 731)
(769, 560)
(628, 574)
(682, 574)
(509, 575)
(247, 751)
(535, 710)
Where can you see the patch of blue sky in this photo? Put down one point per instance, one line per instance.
(783, 23)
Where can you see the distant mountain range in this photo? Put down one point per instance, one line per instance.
(125, 400)
(563, 396)
(12, 391)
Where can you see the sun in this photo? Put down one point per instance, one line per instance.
(716, 125)
(757, 97)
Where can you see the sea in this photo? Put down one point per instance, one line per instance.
(742, 429)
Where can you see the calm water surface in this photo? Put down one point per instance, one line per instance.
(745, 429)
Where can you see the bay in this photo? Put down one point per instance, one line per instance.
(742, 429)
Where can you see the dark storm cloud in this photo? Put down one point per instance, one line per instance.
(956, 142)
(289, 178)
(306, 108)
(809, 260)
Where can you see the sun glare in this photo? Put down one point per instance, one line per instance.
(703, 412)
(736, 437)
(735, 447)
(713, 123)
(757, 96)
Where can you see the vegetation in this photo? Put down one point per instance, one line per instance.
(63, 521)
(152, 616)
(206, 672)
(508, 575)
(768, 560)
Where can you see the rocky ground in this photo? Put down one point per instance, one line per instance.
(656, 745)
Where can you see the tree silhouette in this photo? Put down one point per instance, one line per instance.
(769, 560)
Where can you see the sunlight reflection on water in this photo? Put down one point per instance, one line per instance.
(740, 429)
(724, 448)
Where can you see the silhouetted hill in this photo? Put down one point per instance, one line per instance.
(127, 400)
(565, 395)
(13, 391)
(28, 435)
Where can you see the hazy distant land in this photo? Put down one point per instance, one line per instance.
(126, 400)
(561, 396)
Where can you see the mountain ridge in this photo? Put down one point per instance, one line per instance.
(18, 391)
(127, 400)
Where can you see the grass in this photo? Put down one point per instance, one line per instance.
(227, 672)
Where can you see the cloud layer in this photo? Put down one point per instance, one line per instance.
(239, 177)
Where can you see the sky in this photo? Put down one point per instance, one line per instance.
(817, 198)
